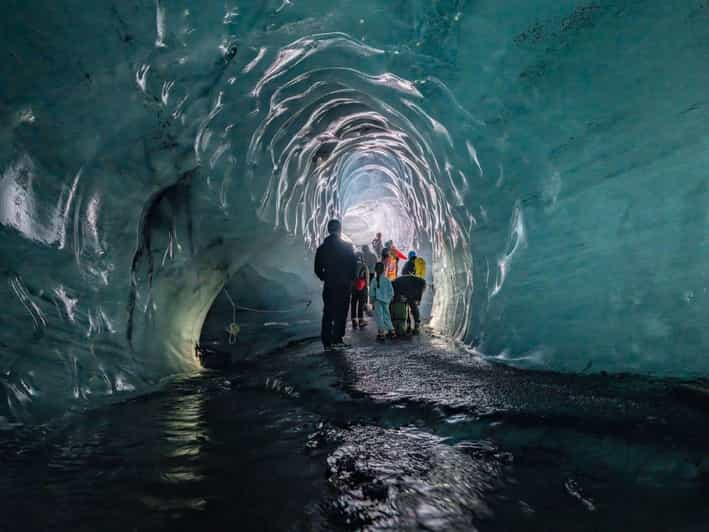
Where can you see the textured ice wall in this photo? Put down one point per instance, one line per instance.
(552, 155)
(603, 139)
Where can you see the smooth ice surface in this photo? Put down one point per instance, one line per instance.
(549, 157)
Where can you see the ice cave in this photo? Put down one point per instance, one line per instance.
(167, 170)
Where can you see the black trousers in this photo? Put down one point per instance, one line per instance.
(357, 303)
(336, 300)
(413, 313)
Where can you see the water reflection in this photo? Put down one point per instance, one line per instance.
(419, 436)
(184, 432)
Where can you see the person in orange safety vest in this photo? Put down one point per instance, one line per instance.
(391, 260)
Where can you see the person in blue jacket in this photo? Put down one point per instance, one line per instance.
(381, 293)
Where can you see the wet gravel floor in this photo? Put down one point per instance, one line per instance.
(418, 434)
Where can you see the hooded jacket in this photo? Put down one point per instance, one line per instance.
(409, 268)
(384, 292)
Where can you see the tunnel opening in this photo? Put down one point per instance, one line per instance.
(263, 305)
(338, 142)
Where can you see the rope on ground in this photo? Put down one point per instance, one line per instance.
(233, 328)
(269, 311)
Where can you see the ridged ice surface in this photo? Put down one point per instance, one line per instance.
(547, 157)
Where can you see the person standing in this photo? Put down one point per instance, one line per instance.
(370, 259)
(394, 251)
(391, 264)
(359, 293)
(335, 266)
(410, 266)
(410, 289)
(377, 245)
(381, 291)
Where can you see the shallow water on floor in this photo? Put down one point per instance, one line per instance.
(421, 435)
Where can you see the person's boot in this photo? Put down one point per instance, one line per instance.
(362, 324)
(417, 329)
(339, 344)
(354, 324)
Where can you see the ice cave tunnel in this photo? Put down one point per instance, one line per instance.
(548, 157)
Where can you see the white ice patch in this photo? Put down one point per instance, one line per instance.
(160, 24)
(165, 92)
(231, 15)
(68, 301)
(19, 208)
(122, 385)
(474, 156)
(26, 116)
(516, 241)
(141, 76)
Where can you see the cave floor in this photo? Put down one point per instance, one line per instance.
(411, 434)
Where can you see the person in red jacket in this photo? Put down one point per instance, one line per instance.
(395, 251)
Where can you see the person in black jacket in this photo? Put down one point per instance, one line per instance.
(360, 293)
(336, 266)
(409, 289)
(410, 266)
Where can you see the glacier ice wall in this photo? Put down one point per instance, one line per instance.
(549, 156)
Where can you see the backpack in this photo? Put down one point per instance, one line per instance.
(420, 267)
(361, 281)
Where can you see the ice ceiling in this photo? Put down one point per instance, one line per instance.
(550, 157)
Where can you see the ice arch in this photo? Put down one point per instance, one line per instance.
(551, 156)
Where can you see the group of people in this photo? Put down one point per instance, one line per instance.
(353, 279)
(396, 297)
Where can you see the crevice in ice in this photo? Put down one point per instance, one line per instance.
(158, 234)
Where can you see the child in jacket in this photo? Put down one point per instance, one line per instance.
(381, 293)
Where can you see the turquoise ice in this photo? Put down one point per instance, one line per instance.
(549, 158)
